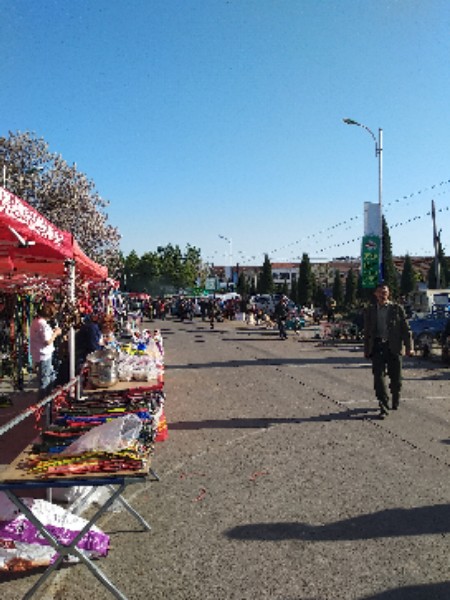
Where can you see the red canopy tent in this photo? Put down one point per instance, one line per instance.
(32, 249)
(31, 245)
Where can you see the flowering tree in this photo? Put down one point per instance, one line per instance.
(61, 193)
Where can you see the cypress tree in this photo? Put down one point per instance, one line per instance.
(242, 284)
(266, 279)
(350, 289)
(389, 272)
(338, 293)
(294, 292)
(305, 282)
(408, 278)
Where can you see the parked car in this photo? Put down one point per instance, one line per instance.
(268, 303)
(426, 331)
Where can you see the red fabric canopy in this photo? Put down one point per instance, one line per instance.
(86, 266)
(30, 245)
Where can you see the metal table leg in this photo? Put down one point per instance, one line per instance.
(63, 551)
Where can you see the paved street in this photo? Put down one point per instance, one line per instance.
(278, 482)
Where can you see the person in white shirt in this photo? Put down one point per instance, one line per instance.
(42, 338)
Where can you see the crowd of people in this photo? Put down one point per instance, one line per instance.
(386, 331)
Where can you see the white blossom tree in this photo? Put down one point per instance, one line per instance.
(61, 193)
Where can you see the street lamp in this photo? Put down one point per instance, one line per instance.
(379, 155)
(222, 237)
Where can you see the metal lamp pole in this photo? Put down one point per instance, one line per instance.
(379, 155)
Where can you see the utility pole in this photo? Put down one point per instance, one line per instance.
(437, 245)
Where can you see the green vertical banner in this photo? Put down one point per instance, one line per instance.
(370, 261)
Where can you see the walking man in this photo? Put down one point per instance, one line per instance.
(281, 314)
(386, 332)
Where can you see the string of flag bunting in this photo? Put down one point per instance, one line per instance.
(329, 232)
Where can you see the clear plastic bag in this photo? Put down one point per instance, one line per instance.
(117, 434)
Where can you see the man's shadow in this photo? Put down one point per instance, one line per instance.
(397, 522)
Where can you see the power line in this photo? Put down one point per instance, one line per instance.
(351, 220)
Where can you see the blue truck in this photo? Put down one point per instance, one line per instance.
(428, 331)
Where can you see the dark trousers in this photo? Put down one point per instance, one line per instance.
(384, 361)
(282, 328)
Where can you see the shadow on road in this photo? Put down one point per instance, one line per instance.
(397, 522)
(252, 423)
(348, 362)
(427, 591)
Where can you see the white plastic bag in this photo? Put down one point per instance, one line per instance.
(117, 434)
(23, 545)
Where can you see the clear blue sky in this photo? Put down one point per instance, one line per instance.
(200, 118)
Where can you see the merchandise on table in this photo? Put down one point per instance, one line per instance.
(102, 365)
(140, 360)
(105, 432)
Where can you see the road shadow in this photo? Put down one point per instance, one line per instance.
(426, 591)
(344, 361)
(436, 374)
(396, 522)
(266, 422)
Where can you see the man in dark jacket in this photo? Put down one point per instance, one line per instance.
(281, 314)
(386, 332)
(87, 339)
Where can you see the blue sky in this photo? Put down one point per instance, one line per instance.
(205, 118)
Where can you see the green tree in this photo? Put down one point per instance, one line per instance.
(165, 271)
(320, 298)
(390, 275)
(148, 272)
(242, 284)
(338, 292)
(351, 288)
(192, 266)
(408, 278)
(130, 272)
(266, 285)
(62, 194)
(305, 282)
(178, 270)
(293, 292)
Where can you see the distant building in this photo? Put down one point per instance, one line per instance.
(325, 271)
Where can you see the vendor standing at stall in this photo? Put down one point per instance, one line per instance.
(88, 339)
(42, 338)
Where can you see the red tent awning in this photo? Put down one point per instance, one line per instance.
(32, 245)
(87, 266)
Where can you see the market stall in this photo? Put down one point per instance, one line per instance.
(36, 255)
(32, 247)
(105, 439)
(86, 441)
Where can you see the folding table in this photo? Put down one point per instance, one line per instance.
(14, 479)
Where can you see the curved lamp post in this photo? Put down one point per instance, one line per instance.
(379, 155)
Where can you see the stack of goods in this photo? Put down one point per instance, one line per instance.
(58, 452)
(105, 433)
(143, 358)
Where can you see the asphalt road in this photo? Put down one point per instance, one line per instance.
(278, 482)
